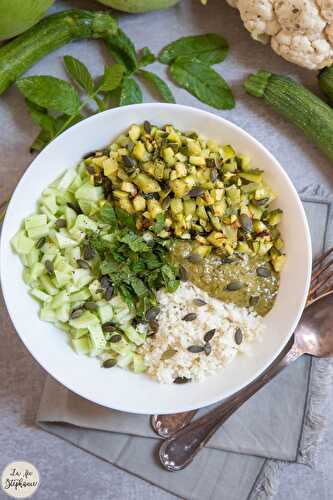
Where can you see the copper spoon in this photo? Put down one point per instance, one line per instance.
(314, 336)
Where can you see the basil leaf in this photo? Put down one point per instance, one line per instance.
(112, 77)
(159, 224)
(210, 49)
(146, 57)
(79, 73)
(203, 82)
(40, 117)
(125, 219)
(123, 50)
(161, 87)
(107, 215)
(130, 92)
(51, 93)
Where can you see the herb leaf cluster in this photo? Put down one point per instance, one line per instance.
(55, 104)
(138, 266)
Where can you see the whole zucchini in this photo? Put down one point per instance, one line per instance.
(297, 104)
(49, 34)
(325, 78)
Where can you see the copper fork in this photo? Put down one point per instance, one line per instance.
(321, 284)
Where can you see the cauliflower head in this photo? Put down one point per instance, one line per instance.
(301, 31)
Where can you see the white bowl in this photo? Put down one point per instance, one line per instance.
(118, 388)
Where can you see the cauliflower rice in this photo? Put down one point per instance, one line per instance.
(178, 334)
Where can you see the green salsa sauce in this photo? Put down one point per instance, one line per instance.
(236, 279)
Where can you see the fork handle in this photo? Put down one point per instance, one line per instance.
(178, 451)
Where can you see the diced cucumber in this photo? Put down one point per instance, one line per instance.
(21, 243)
(78, 333)
(89, 192)
(105, 312)
(62, 312)
(86, 320)
(66, 180)
(97, 337)
(40, 295)
(48, 285)
(47, 314)
(64, 241)
(37, 232)
(82, 345)
(134, 336)
(125, 360)
(35, 221)
(80, 296)
(59, 299)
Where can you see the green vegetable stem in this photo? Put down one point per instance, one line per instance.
(297, 105)
(49, 34)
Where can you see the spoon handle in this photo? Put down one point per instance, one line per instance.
(177, 451)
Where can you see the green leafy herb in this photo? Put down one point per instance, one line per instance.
(40, 117)
(159, 85)
(79, 73)
(107, 215)
(209, 49)
(137, 268)
(159, 224)
(146, 57)
(112, 77)
(130, 92)
(123, 50)
(203, 82)
(125, 218)
(50, 93)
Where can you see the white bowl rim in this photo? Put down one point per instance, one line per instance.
(167, 107)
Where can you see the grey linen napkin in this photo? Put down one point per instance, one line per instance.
(281, 424)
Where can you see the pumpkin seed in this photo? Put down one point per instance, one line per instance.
(115, 338)
(91, 306)
(194, 258)
(169, 353)
(263, 272)
(260, 203)
(75, 207)
(82, 264)
(76, 313)
(181, 380)
(195, 349)
(238, 336)
(154, 326)
(151, 196)
(40, 242)
(152, 313)
(213, 175)
(199, 302)
(227, 260)
(98, 180)
(105, 281)
(108, 294)
(109, 363)
(209, 335)
(147, 126)
(207, 348)
(91, 169)
(254, 299)
(108, 327)
(60, 223)
(49, 266)
(233, 286)
(246, 222)
(210, 163)
(166, 203)
(183, 276)
(196, 191)
(88, 251)
(189, 317)
(129, 163)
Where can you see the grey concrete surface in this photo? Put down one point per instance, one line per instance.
(66, 472)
